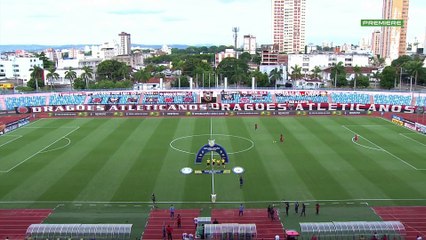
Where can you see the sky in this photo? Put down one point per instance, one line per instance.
(190, 22)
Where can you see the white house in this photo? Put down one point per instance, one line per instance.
(309, 61)
(13, 67)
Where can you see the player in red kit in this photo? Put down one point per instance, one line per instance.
(356, 138)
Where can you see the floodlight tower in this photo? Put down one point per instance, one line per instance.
(235, 30)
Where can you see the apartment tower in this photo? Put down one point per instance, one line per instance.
(288, 25)
(249, 44)
(375, 42)
(393, 41)
(125, 44)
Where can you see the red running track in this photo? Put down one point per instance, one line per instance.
(413, 218)
(159, 217)
(14, 222)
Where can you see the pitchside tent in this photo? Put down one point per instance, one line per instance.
(230, 231)
(79, 231)
(353, 230)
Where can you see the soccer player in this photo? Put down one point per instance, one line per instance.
(153, 199)
(223, 162)
(281, 138)
(241, 181)
(255, 126)
(356, 138)
(241, 210)
(172, 211)
(208, 162)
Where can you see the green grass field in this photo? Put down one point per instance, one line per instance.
(87, 166)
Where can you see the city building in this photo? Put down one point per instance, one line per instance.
(125, 44)
(424, 44)
(231, 53)
(249, 44)
(288, 25)
(271, 56)
(309, 61)
(375, 42)
(12, 67)
(393, 41)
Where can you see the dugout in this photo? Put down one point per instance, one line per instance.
(356, 230)
(230, 231)
(79, 231)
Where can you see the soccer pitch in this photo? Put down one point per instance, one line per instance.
(124, 160)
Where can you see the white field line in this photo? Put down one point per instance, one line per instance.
(383, 149)
(59, 148)
(329, 201)
(17, 137)
(361, 145)
(40, 151)
(389, 121)
(402, 134)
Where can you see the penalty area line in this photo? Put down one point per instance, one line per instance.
(17, 137)
(40, 151)
(384, 150)
(412, 139)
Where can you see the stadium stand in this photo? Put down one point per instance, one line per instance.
(345, 97)
(421, 101)
(169, 97)
(10, 102)
(392, 99)
(246, 97)
(17, 101)
(66, 99)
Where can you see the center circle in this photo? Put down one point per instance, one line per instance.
(250, 143)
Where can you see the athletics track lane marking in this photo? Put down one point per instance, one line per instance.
(40, 151)
(400, 159)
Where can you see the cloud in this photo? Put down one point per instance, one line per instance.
(135, 12)
(43, 16)
(173, 19)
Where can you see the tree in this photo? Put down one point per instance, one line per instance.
(182, 81)
(361, 81)
(414, 67)
(375, 76)
(36, 78)
(316, 73)
(47, 64)
(79, 83)
(71, 75)
(275, 75)
(387, 77)
(357, 72)
(261, 79)
(246, 57)
(400, 61)
(296, 72)
(234, 69)
(142, 75)
(113, 70)
(86, 75)
(52, 76)
(338, 75)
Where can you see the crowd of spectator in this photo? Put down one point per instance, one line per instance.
(10, 102)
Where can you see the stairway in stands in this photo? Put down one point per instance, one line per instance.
(266, 228)
(159, 217)
(14, 222)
